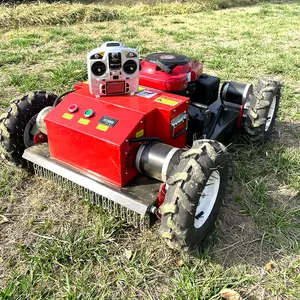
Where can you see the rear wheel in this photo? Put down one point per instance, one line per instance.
(194, 196)
(18, 125)
(262, 110)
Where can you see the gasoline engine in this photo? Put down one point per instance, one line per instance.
(177, 74)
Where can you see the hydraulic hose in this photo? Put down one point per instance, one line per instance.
(59, 98)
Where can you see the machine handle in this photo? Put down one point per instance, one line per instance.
(176, 122)
(164, 67)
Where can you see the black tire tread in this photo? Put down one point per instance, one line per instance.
(14, 121)
(259, 108)
(191, 172)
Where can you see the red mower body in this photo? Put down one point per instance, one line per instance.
(182, 71)
(99, 144)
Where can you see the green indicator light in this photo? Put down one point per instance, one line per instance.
(88, 113)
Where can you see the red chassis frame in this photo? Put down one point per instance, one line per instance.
(100, 144)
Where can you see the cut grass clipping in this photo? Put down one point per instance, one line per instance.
(53, 246)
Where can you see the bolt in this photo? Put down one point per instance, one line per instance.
(126, 141)
(153, 210)
(174, 110)
(126, 153)
(141, 122)
(126, 173)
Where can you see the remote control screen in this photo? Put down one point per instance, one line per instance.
(115, 87)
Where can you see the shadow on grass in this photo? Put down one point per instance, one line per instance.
(260, 217)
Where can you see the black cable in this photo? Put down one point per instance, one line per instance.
(145, 139)
(59, 98)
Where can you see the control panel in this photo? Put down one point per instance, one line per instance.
(95, 137)
(100, 136)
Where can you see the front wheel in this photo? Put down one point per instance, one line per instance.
(195, 192)
(262, 110)
(18, 125)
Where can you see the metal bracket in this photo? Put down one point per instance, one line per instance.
(176, 122)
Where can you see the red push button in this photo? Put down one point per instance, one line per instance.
(73, 108)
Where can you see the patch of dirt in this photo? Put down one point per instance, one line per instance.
(238, 238)
(288, 133)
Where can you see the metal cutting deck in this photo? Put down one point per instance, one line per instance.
(131, 203)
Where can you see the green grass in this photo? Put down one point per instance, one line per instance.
(55, 247)
(63, 13)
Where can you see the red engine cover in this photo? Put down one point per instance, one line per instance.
(99, 143)
(179, 71)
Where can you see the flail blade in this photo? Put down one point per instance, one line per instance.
(117, 210)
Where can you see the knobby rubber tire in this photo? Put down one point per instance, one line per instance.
(258, 110)
(185, 185)
(13, 124)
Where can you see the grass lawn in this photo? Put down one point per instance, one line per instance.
(53, 246)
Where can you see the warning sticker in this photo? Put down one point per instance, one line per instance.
(147, 94)
(139, 133)
(167, 101)
(141, 88)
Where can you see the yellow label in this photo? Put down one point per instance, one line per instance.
(86, 82)
(171, 102)
(83, 121)
(102, 127)
(67, 116)
(141, 88)
(101, 53)
(139, 133)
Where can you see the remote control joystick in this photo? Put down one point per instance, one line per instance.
(113, 69)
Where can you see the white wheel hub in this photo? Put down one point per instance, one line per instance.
(271, 114)
(207, 199)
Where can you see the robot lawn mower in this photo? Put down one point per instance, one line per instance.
(142, 138)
